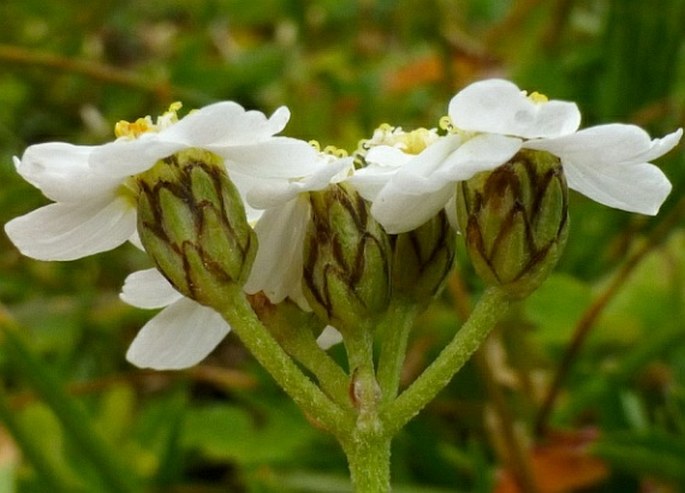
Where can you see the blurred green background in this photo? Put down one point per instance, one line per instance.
(69, 70)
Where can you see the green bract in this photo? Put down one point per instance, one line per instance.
(515, 221)
(191, 221)
(423, 258)
(346, 259)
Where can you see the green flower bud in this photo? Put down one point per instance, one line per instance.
(191, 221)
(346, 259)
(515, 221)
(423, 258)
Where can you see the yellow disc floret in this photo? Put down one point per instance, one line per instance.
(133, 130)
(413, 142)
(537, 97)
(330, 150)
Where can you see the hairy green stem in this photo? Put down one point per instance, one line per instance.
(301, 345)
(394, 330)
(368, 456)
(237, 311)
(367, 446)
(490, 309)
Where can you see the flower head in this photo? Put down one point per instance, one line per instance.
(490, 121)
(277, 269)
(514, 220)
(347, 259)
(92, 189)
(192, 223)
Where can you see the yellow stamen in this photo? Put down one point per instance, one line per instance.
(537, 97)
(330, 150)
(335, 151)
(137, 128)
(413, 142)
(445, 123)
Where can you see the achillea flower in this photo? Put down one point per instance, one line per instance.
(277, 269)
(185, 331)
(489, 122)
(347, 260)
(93, 188)
(514, 220)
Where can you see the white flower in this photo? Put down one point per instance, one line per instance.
(94, 196)
(608, 163)
(179, 336)
(277, 269)
(409, 185)
(185, 332)
(491, 121)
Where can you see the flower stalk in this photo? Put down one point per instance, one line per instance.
(489, 310)
(294, 330)
(233, 305)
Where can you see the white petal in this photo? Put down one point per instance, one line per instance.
(399, 210)
(181, 335)
(659, 147)
(383, 162)
(480, 153)
(134, 239)
(387, 156)
(451, 211)
(61, 172)
(424, 172)
(633, 187)
(606, 163)
(148, 289)
(369, 181)
(278, 120)
(278, 266)
(278, 157)
(499, 106)
(329, 337)
(418, 190)
(69, 231)
(447, 160)
(125, 157)
(273, 193)
(225, 124)
(602, 144)
(244, 183)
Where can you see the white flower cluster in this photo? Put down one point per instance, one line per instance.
(408, 177)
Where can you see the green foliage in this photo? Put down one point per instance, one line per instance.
(69, 70)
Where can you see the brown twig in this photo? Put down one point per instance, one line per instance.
(560, 15)
(590, 316)
(161, 89)
(519, 13)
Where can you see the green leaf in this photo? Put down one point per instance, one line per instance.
(224, 432)
(45, 430)
(556, 306)
(654, 454)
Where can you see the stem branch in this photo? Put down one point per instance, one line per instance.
(490, 309)
(394, 330)
(237, 311)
